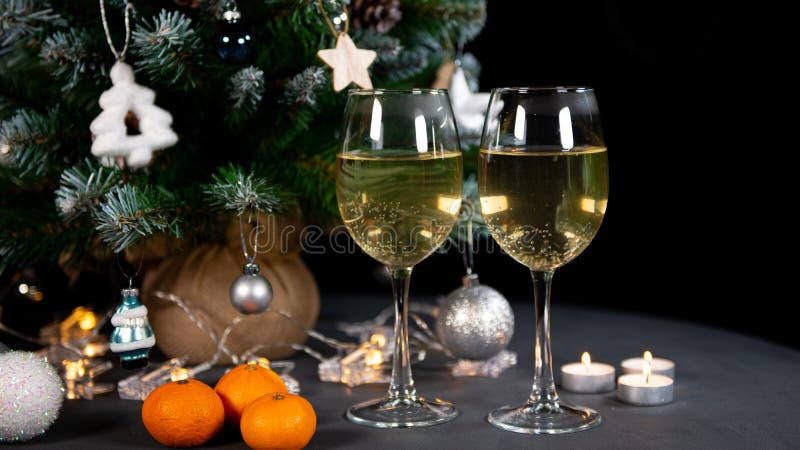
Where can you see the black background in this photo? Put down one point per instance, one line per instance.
(681, 237)
(689, 232)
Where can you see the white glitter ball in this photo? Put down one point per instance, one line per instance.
(31, 395)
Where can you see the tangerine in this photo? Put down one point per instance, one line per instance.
(243, 384)
(183, 413)
(278, 421)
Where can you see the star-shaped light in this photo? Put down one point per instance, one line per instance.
(349, 63)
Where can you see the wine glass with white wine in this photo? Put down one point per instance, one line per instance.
(398, 185)
(543, 184)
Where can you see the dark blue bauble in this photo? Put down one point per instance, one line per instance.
(233, 41)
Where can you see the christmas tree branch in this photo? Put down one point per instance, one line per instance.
(395, 62)
(130, 213)
(30, 141)
(22, 18)
(38, 236)
(246, 89)
(453, 21)
(233, 190)
(302, 88)
(82, 188)
(166, 47)
(74, 55)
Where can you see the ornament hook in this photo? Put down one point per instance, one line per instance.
(341, 20)
(250, 259)
(119, 55)
(125, 274)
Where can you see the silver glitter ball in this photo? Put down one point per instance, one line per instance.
(251, 293)
(475, 321)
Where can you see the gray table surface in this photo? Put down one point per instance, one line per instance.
(732, 391)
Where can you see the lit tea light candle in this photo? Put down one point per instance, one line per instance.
(658, 366)
(646, 388)
(587, 377)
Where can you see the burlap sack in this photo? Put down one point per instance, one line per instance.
(203, 277)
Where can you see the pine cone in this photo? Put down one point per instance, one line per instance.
(375, 15)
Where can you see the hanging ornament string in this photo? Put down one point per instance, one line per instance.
(120, 55)
(338, 20)
(349, 63)
(250, 259)
(138, 269)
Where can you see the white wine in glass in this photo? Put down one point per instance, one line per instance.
(399, 208)
(398, 185)
(543, 185)
(549, 204)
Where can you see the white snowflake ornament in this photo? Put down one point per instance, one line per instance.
(111, 138)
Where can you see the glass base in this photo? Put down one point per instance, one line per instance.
(402, 413)
(544, 418)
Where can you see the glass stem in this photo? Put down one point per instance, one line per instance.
(543, 393)
(402, 385)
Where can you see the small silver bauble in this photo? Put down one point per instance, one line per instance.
(251, 293)
(475, 321)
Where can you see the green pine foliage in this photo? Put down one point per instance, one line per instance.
(255, 135)
(235, 190)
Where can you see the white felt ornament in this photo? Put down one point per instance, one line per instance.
(111, 139)
(469, 107)
(349, 63)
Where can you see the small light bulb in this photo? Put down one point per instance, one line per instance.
(178, 374)
(373, 357)
(378, 339)
(87, 321)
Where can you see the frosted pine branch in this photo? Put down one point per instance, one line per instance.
(233, 190)
(82, 187)
(247, 89)
(71, 52)
(301, 88)
(28, 143)
(129, 214)
(20, 18)
(387, 47)
(394, 62)
(166, 46)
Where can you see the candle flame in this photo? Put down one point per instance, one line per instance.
(586, 360)
(648, 356)
(646, 370)
(178, 374)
